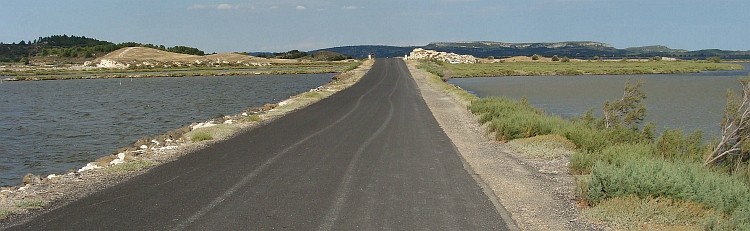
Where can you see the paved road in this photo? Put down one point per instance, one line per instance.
(370, 157)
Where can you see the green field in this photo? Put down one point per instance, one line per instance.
(584, 68)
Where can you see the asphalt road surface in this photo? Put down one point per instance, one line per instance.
(371, 157)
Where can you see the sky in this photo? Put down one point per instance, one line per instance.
(283, 25)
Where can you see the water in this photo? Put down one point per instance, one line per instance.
(686, 101)
(52, 126)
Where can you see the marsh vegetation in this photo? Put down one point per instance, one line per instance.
(619, 162)
(584, 68)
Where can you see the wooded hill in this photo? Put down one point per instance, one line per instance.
(579, 50)
(74, 47)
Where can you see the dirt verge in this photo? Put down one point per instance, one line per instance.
(539, 194)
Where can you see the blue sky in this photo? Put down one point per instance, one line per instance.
(282, 25)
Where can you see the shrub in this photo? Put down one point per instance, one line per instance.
(535, 57)
(252, 118)
(6, 213)
(200, 136)
(555, 58)
(714, 59)
(31, 204)
(673, 145)
(645, 177)
(629, 212)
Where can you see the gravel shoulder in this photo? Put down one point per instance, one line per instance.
(538, 194)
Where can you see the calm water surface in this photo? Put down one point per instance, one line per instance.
(688, 101)
(53, 126)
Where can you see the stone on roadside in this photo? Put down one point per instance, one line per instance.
(31, 179)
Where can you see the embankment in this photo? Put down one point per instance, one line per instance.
(19, 202)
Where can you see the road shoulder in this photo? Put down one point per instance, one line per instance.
(538, 194)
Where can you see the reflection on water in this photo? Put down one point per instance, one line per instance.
(687, 101)
(52, 126)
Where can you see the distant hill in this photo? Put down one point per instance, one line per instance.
(137, 57)
(576, 49)
(363, 50)
(74, 47)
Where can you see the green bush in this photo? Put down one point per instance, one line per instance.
(646, 177)
(252, 118)
(200, 136)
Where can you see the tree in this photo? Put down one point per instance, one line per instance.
(565, 59)
(555, 58)
(628, 110)
(596, 58)
(734, 146)
(535, 57)
(656, 58)
(25, 61)
(714, 59)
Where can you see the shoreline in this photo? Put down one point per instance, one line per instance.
(165, 74)
(39, 194)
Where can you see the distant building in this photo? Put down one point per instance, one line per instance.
(371, 56)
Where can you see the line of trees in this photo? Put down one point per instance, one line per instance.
(75, 46)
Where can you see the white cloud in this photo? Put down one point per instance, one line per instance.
(218, 7)
(274, 7)
(307, 44)
(301, 8)
(198, 7)
(350, 7)
(226, 7)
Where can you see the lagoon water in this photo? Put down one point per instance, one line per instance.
(52, 126)
(688, 101)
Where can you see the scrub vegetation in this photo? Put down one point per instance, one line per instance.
(619, 162)
(136, 165)
(200, 136)
(582, 68)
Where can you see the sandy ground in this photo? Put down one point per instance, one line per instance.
(537, 194)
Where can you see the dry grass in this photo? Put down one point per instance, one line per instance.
(6, 213)
(133, 166)
(31, 204)
(632, 213)
(140, 54)
(545, 146)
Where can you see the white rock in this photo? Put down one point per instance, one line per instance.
(228, 121)
(51, 176)
(143, 146)
(244, 114)
(89, 166)
(108, 63)
(419, 53)
(203, 125)
(155, 142)
(120, 159)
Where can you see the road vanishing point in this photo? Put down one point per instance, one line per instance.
(371, 157)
